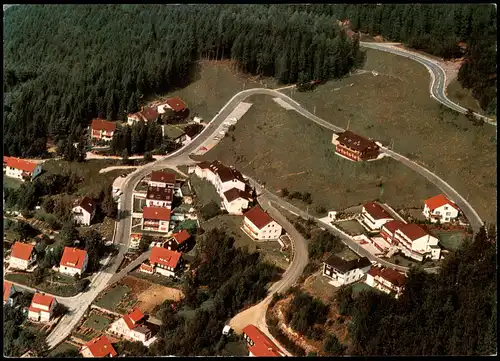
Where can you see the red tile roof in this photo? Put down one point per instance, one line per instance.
(147, 267)
(393, 225)
(376, 211)
(101, 347)
(263, 346)
(258, 217)
(165, 257)
(18, 163)
(164, 177)
(7, 287)
(438, 201)
(176, 104)
(181, 237)
(134, 318)
(22, 251)
(413, 231)
(101, 124)
(149, 114)
(356, 142)
(156, 213)
(43, 300)
(73, 257)
(388, 274)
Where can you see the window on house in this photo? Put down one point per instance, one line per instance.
(448, 213)
(437, 213)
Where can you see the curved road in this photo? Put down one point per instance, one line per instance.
(438, 76)
(180, 157)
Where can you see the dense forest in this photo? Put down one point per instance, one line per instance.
(449, 313)
(437, 29)
(88, 60)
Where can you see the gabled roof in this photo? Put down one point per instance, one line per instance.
(73, 257)
(344, 266)
(165, 177)
(226, 174)
(40, 299)
(356, 141)
(262, 345)
(156, 213)
(134, 318)
(101, 124)
(393, 225)
(101, 347)
(176, 104)
(438, 201)
(388, 274)
(376, 211)
(258, 217)
(181, 237)
(7, 288)
(87, 204)
(203, 165)
(18, 163)
(22, 251)
(235, 193)
(165, 257)
(150, 114)
(413, 231)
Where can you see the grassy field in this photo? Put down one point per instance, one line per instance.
(351, 227)
(205, 191)
(97, 322)
(285, 149)
(347, 254)
(361, 286)
(11, 183)
(463, 97)
(55, 283)
(62, 347)
(111, 298)
(138, 205)
(395, 106)
(450, 240)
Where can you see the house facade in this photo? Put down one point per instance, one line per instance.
(21, 169)
(440, 208)
(155, 219)
(225, 178)
(84, 211)
(159, 197)
(163, 261)
(259, 345)
(101, 129)
(236, 201)
(343, 272)
(259, 225)
(132, 327)
(22, 256)
(146, 115)
(178, 241)
(414, 242)
(374, 216)
(175, 104)
(73, 261)
(41, 308)
(162, 179)
(355, 147)
(389, 229)
(98, 347)
(386, 280)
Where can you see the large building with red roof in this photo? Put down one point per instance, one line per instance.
(439, 208)
(259, 345)
(21, 169)
(386, 280)
(374, 216)
(41, 308)
(132, 327)
(175, 104)
(101, 129)
(416, 243)
(98, 347)
(355, 147)
(156, 219)
(162, 261)
(73, 261)
(259, 225)
(22, 256)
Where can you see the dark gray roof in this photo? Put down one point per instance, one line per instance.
(344, 266)
(159, 194)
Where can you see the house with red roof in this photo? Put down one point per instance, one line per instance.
(439, 208)
(354, 147)
(8, 291)
(21, 169)
(22, 256)
(416, 243)
(132, 327)
(101, 129)
(156, 219)
(259, 225)
(98, 347)
(162, 179)
(386, 280)
(41, 308)
(84, 210)
(73, 261)
(163, 261)
(147, 114)
(259, 345)
(175, 104)
(374, 216)
(178, 241)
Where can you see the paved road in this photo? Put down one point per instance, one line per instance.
(438, 75)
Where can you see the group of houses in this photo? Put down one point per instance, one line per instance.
(21, 169)
(23, 257)
(41, 308)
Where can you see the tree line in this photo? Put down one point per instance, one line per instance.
(84, 63)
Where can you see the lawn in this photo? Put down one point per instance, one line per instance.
(62, 347)
(111, 298)
(172, 131)
(97, 322)
(204, 190)
(450, 240)
(284, 149)
(54, 283)
(11, 182)
(347, 254)
(138, 205)
(463, 97)
(361, 286)
(395, 106)
(351, 227)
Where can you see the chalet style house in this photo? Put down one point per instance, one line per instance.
(41, 308)
(343, 272)
(163, 261)
(159, 197)
(162, 179)
(235, 201)
(98, 347)
(178, 241)
(440, 208)
(222, 177)
(146, 115)
(84, 210)
(22, 256)
(132, 327)
(373, 216)
(156, 219)
(259, 345)
(73, 261)
(101, 129)
(386, 280)
(355, 147)
(175, 104)
(21, 169)
(259, 225)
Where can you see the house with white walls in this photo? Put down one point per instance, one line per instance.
(175, 104)
(389, 229)
(21, 169)
(439, 208)
(146, 115)
(22, 256)
(162, 261)
(162, 179)
(260, 226)
(342, 272)
(101, 129)
(159, 197)
(132, 327)
(84, 210)
(98, 347)
(373, 216)
(41, 308)
(236, 201)
(8, 292)
(414, 242)
(155, 219)
(73, 261)
(386, 280)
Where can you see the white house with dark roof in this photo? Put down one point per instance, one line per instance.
(84, 211)
(342, 272)
(374, 216)
(386, 280)
(259, 225)
(439, 208)
(235, 201)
